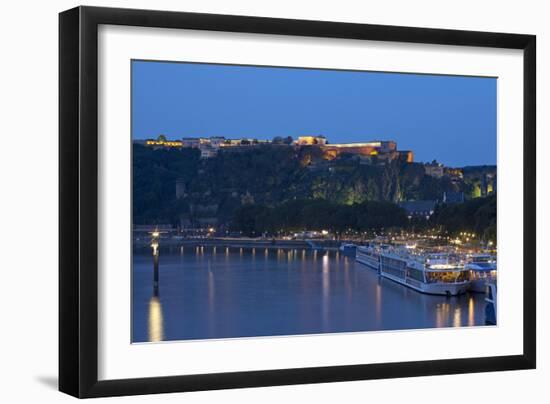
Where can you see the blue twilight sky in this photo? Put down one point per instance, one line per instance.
(448, 118)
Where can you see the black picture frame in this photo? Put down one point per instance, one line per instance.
(78, 201)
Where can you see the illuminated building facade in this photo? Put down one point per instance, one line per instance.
(311, 140)
(374, 151)
(162, 143)
(193, 142)
(434, 169)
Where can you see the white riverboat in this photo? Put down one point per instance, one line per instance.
(369, 256)
(483, 269)
(432, 273)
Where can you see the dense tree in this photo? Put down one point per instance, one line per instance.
(476, 215)
(318, 214)
(154, 175)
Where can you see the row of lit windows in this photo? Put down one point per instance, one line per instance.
(394, 262)
(395, 272)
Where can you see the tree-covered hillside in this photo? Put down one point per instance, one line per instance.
(270, 186)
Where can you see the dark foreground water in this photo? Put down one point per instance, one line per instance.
(222, 293)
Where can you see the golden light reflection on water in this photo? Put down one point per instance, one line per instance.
(156, 321)
(326, 264)
(456, 317)
(471, 316)
(442, 314)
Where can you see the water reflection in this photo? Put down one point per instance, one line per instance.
(156, 327)
(471, 312)
(457, 320)
(208, 294)
(156, 322)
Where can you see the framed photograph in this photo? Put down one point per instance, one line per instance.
(251, 201)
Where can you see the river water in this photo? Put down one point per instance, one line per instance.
(218, 292)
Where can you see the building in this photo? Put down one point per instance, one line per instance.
(192, 142)
(207, 151)
(418, 209)
(375, 151)
(217, 141)
(454, 173)
(406, 155)
(207, 146)
(162, 143)
(210, 146)
(370, 152)
(434, 169)
(311, 140)
(232, 143)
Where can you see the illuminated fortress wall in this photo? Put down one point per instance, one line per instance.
(381, 150)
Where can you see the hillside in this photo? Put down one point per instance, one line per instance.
(218, 190)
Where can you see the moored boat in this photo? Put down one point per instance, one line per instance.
(369, 256)
(431, 273)
(483, 269)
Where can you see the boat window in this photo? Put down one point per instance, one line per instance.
(446, 277)
(415, 274)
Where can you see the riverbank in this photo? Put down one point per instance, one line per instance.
(331, 245)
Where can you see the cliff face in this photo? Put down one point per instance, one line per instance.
(175, 185)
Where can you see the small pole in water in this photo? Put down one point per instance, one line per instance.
(155, 236)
